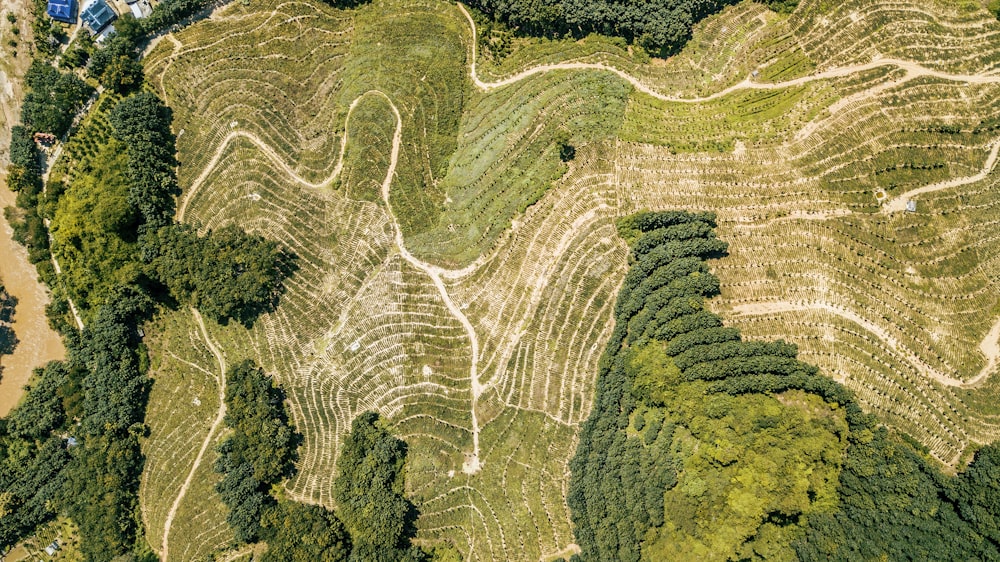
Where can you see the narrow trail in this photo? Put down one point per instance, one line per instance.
(272, 155)
(898, 204)
(990, 347)
(472, 463)
(913, 70)
(221, 359)
(49, 162)
(58, 270)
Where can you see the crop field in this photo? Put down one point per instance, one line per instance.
(458, 277)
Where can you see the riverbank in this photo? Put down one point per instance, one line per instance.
(38, 343)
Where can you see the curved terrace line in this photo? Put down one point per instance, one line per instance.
(219, 416)
(913, 70)
(990, 347)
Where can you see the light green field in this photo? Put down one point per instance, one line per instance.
(478, 330)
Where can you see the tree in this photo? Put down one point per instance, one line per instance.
(260, 451)
(977, 491)
(53, 99)
(226, 274)
(41, 410)
(123, 74)
(304, 533)
(369, 492)
(566, 150)
(8, 340)
(142, 123)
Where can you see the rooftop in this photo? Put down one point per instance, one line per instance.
(62, 10)
(97, 15)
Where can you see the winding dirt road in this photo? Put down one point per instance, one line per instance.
(437, 274)
(898, 204)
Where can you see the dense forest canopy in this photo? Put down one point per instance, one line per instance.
(53, 99)
(662, 27)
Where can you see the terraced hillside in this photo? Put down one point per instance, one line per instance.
(458, 277)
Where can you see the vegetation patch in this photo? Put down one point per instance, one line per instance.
(377, 518)
(662, 27)
(703, 443)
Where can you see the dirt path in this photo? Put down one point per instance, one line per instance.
(38, 343)
(898, 204)
(58, 270)
(989, 346)
(270, 153)
(472, 463)
(221, 359)
(913, 70)
(436, 274)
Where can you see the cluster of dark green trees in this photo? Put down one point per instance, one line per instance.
(374, 522)
(24, 177)
(102, 479)
(32, 457)
(672, 374)
(53, 99)
(226, 274)
(142, 124)
(95, 401)
(259, 452)
(662, 27)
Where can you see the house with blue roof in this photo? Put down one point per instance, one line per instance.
(62, 10)
(97, 15)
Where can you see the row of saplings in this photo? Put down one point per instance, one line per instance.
(701, 444)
